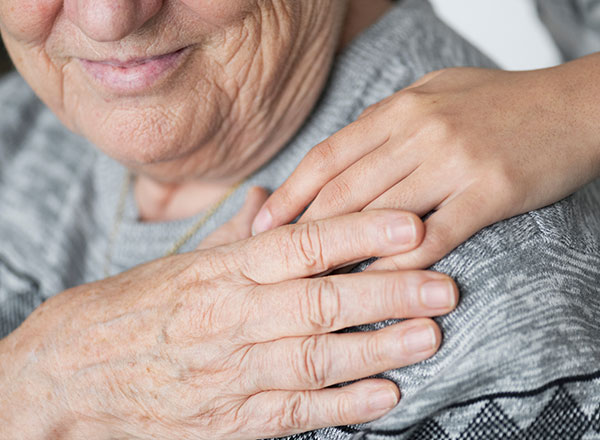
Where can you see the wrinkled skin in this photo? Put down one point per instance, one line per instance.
(230, 342)
(252, 73)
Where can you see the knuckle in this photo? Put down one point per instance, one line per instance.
(464, 155)
(211, 263)
(343, 408)
(440, 127)
(439, 238)
(433, 73)
(369, 109)
(505, 181)
(295, 413)
(307, 242)
(395, 296)
(283, 197)
(372, 352)
(410, 98)
(322, 157)
(336, 194)
(323, 304)
(313, 364)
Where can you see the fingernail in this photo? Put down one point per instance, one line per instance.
(420, 339)
(438, 295)
(402, 230)
(382, 400)
(262, 222)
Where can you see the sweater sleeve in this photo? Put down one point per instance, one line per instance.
(40, 167)
(520, 357)
(521, 351)
(19, 291)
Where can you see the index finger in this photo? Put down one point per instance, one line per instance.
(324, 162)
(303, 250)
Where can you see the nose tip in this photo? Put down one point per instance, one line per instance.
(111, 20)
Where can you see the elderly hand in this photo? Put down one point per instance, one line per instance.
(474, 146)
(233, 342)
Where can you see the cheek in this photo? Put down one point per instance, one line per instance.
(219, 12)
(29, 21)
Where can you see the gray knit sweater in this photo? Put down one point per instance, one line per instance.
(521, 355)
(574, 25)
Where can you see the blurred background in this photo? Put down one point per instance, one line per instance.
(5, 63)
(509, 31)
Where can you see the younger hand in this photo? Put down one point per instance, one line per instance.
(473, 146)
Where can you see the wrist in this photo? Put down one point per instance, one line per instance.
(32, 404)
(577, 86)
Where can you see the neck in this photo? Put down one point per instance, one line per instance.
(158, 201)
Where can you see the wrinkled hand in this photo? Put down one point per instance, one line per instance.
(473, 146)
(234, 342)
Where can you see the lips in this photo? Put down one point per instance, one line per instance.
(135, 75)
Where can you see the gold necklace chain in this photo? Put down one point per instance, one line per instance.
(120, 214)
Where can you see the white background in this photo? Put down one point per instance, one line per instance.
(506, 30)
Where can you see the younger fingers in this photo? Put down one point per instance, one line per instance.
(445, 230)
(364, 181)
(321, 164)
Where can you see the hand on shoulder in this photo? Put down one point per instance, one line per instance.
(470, 146)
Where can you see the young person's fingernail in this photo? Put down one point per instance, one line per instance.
(262, 222)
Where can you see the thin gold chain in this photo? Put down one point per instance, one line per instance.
(120, 214)
(117, 223)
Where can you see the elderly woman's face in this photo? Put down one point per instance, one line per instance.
(175, 88)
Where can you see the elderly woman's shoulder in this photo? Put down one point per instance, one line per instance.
(27, 126)
(20, 109)
(17, 99)
(563, 235)
(524, 328)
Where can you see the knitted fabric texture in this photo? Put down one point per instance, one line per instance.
(520, 357)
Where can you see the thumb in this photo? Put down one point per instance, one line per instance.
(240, 226)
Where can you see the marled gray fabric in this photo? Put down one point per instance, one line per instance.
(574, 24)
(521, 354)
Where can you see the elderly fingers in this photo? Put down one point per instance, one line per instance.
(323, 305)
(418, 192)
(308, 249)
(289, 412)
(315, 362)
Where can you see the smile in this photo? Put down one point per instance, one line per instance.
(133, 76)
